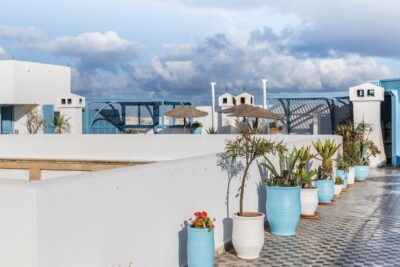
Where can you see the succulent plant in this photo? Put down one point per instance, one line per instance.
(326, 151)
(285, 176)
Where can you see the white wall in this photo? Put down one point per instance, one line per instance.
(32, 83)
(123, 215)
(40, 83)
(18, 228)
(6, 82)
(118, 147)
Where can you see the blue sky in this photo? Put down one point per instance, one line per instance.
(174, 48)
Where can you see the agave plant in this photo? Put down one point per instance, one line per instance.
(305, 157)
(326, 151)
(285, 176)
(303, 167)
(306, 177)
(211, 130)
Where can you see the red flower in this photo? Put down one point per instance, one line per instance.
(197, 214)
(198, 222)
(203, 214)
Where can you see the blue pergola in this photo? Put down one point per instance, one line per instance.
(109, 115)
(330, 98)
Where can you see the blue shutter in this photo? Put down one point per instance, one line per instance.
(48, 119)
(7, 120)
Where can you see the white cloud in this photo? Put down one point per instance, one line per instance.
(235, 66)
(20, 34)
(93, 50)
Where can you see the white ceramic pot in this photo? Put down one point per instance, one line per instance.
(351, 175)
(248, 235)
(309, 201)
(338, 188)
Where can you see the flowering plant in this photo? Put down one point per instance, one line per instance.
(202, 221)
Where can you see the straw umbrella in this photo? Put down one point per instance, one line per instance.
(186, 112)
(250, 111)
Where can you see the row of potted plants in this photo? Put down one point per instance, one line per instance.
(293, 187)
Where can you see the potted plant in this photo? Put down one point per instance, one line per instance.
(350, 155)
(342, 170)
(338, 186)
(248, 226)
(365, 149)
(325, 182)
(274, 128)
(196, 127)
(283, 194)
(200, 246)
(308, 193)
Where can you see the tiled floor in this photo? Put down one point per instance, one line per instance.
(362, 228)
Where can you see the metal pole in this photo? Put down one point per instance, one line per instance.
(213, 103)
(264, 84)
(265, 106)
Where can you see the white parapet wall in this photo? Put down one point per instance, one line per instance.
(125, 215)
(120, 147)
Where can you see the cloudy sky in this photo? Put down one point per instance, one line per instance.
(174, 48)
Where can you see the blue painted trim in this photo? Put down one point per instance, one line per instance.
(309, 95)
(48, 119)
(395, 129)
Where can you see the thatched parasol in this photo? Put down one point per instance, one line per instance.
(250, 111)
(237, 109)
(261, 114)
(186, 112)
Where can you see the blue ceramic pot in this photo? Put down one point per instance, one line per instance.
(342, 174)
(325, 190)
(362, 172)
(283, 209)
(200, 247)
(196, 130)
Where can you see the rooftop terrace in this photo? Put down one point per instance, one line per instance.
(362, 228)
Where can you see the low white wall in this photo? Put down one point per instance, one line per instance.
(50, 174)
(18, 174)
(123, 215)
(18, 228)
(120, 147)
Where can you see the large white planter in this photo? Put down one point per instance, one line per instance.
(309, 201)
(248, 236)
(351, 175)
(338, 188)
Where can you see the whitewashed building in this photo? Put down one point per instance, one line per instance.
(24, 85)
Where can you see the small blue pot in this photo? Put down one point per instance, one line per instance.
(200, 247)
(325, 190)
(283, 209)
(362, 172)
(342, 174)
(196, 130)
